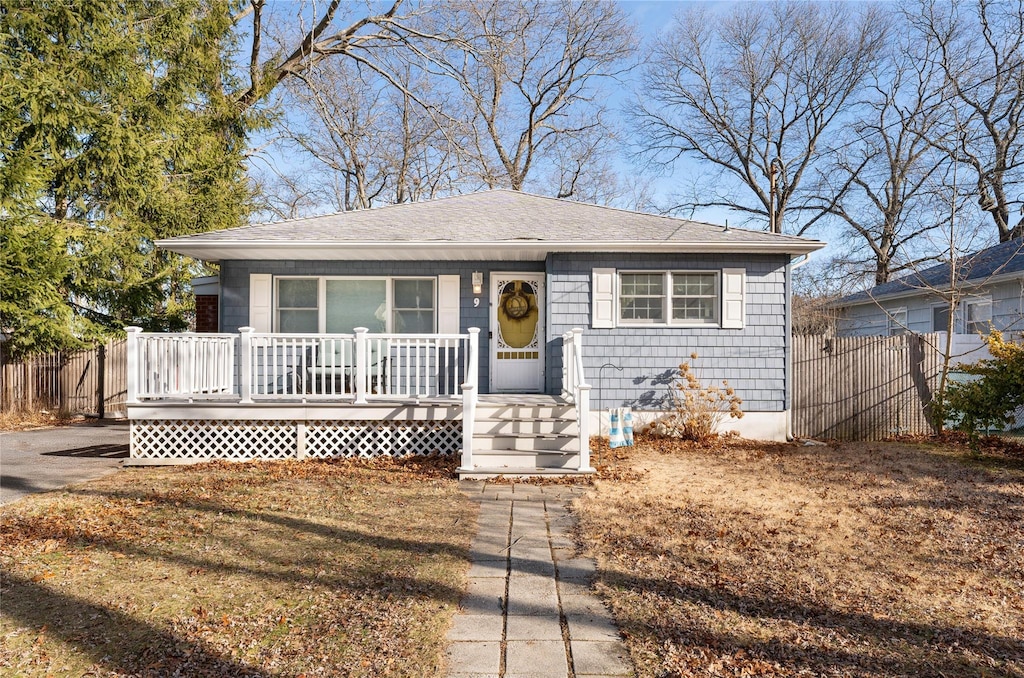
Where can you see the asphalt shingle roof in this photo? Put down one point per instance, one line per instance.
(1007, 257)
(491, 216)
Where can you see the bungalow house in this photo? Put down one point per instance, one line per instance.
(496, 325)
(991, 282)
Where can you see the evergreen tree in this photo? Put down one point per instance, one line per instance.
(115, 131)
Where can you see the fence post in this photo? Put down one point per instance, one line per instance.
(101, 382)
(132, 349)
(30, 386)
(361, 355)
(245, 349)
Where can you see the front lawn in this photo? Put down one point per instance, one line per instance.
(263, 569)
(888, 559)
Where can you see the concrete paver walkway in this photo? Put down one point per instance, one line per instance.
(528, 610)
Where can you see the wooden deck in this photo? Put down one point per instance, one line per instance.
(194, 398)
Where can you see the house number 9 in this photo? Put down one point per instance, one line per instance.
(476, 301)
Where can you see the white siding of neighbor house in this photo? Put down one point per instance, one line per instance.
(870, 319)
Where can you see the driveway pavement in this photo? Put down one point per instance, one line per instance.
(48, 459)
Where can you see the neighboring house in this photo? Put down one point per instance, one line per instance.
(368, 317)
(991, 282)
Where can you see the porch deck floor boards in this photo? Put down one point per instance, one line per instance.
(485, 398)
(545, 618)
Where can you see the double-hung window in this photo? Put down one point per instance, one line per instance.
(339, 305)
(412, 308)
(642, 297)
(669, 298)
(297, 305)
(978, 315)
(940, 318)
(896, 321)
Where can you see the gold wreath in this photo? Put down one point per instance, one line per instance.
(516, 305)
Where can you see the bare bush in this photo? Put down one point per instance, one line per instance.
(699, 409)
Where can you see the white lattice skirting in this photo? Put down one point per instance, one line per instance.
(244, 440)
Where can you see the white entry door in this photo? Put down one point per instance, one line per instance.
(517, 332)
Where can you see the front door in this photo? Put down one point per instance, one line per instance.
(517, 332)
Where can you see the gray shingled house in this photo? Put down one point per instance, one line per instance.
(991, 281)
(498, 325)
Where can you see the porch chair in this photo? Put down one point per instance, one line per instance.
(336, 360)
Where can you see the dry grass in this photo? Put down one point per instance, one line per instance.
(25, 421)
(891, 559)
(264, 569)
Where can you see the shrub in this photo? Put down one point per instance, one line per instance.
(990, 400)
(698, 409)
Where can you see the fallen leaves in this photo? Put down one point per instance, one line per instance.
(868, 560)
(275, 568)
(94, 521)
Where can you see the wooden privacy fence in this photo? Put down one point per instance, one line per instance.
(864, 388)
(91, 382)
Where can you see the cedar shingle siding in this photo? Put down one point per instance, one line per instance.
(753, 359)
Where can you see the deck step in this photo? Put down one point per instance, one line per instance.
(525, 441)
(520, 411)
(499, 458)
(526, 426)
(524, 438)
(485, 472)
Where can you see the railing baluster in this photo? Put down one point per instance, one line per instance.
(283, 366)
(458, 364)
(416, 346)
(442, 381)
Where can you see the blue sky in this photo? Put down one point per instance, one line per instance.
(650, 17)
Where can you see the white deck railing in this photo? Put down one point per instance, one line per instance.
(180, 365)
(576, 389)
(360, 367)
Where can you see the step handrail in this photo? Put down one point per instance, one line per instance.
(470, 397)
(576, 388)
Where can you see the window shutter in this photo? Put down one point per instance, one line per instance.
(448, 295)
(602, 298)
(260, 301)
(734, 292)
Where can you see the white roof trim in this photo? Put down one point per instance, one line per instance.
(446, 250)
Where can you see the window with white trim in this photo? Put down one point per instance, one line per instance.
(339, 305)
(896, 321)
(669, 298)
(940, 318)
(978, 315)
(297, 305)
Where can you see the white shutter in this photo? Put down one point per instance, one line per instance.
(261, 286)
(602, 298)
(448, 295)
(734, 293)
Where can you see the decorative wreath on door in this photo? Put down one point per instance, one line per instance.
(516, 304)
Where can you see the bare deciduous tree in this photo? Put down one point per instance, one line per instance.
(979, 46)
(529, 74)
(880, 181)
(302, 35)
(753, 92)
(377, 145)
